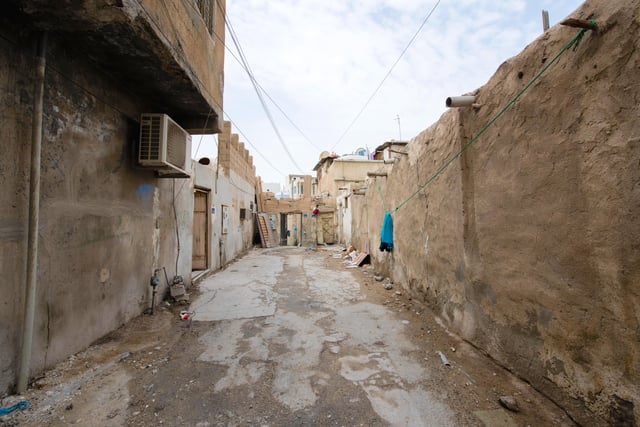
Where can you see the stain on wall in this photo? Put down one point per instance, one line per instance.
(105, 223)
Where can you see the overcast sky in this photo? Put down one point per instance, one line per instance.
(322, 60)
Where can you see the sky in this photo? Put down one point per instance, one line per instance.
(321, 61)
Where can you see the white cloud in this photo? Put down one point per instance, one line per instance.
(322, 60)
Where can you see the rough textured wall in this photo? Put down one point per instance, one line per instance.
(104, 223)
(16, 105)
(528, 244)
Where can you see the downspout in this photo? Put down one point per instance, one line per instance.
(34, 216)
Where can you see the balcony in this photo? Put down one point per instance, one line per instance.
(168, 52)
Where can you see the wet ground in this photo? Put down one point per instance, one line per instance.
(284, 337)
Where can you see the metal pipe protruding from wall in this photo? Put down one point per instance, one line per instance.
(34, 217)
(545, 20)
(460, 101)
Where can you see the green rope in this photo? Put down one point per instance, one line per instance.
(573, 41)
(384, 205)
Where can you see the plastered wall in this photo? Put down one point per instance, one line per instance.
(527, 246)
(105, 224)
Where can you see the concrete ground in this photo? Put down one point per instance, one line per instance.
(284, 337)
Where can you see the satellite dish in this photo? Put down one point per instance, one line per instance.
(361, 152)
(324, 155)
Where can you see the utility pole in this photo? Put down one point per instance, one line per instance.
(399, 129)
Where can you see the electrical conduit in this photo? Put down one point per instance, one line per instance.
(34, 216)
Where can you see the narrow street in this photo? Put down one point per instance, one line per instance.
(284, 337)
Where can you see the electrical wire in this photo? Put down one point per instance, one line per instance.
(296, 127)
(366, 104)
(289, 119)
(246, 139)
(254, 83)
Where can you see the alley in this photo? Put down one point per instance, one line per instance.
(285, 337)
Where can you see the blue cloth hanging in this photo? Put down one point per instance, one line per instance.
(386, 235)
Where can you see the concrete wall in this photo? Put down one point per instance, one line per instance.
(232, 193)
(234, 189)
(105, 222)
(527, 246)
(98, 237)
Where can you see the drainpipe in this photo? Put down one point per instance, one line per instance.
(34, 213)
(460, 101)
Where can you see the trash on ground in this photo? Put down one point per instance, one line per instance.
(510, 403)
(388, 285)
(22, 405)
(443, 358)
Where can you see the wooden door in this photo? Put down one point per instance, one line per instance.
(200, 252)
(325, 228)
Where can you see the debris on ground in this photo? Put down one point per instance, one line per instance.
(510, 403)
(21, 405)
(443, 358)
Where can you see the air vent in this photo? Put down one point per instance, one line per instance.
(164, 146)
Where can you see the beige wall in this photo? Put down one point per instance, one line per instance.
(105, 222)
(527, 245)
(342, 172)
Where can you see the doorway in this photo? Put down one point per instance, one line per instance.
(325, 231)
(200, 239)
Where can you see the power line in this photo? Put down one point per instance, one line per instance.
(366, 104)
(264, 90)
(213, 98)
(253, 146)
(254, 83)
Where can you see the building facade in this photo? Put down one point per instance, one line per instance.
(83, 224)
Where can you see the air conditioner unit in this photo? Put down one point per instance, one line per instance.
(164, 146)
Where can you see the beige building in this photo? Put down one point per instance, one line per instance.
(337, 178)
(390, 150)
(290, 219)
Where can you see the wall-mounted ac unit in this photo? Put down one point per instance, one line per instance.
(164, 146)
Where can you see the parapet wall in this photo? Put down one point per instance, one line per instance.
(233, 156)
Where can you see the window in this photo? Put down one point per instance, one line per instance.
(243, 214)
